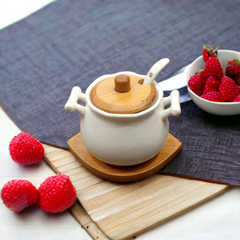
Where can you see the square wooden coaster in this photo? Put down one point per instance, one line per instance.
(127, 173)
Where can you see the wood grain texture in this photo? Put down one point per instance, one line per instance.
(138, 98)
(124, 174)
(119, 211)
(122, 83)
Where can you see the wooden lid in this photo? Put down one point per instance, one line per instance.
(123, 94)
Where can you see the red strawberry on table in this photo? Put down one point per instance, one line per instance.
(56, 194)
(19, 194)
(213, 68)
(228, 90)
(25, 149)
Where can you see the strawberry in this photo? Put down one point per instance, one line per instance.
(207, 89)
(230, 72)
(211, 85)
(202, 74)
(208, 52)
(211, 96)
(235, 63)
(238, 88)
(237, 98)
(56, 194)
(205, 54)
(233, 70)
(213, 68)
(196, 84)
(19, 194)
(228, 90)
(237, 79)
(25, 149)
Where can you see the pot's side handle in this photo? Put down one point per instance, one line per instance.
(175, 108)
(72, 105)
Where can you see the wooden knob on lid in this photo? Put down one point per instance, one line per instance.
(122, 83)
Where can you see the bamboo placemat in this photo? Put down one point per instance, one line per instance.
(120, 211)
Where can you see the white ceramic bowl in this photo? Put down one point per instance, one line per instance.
(217, 108)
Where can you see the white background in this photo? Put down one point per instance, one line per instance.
(218, 218)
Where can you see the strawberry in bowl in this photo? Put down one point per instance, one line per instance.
(213, 81)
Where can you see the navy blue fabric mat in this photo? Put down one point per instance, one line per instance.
(211, 146)
(72, 42)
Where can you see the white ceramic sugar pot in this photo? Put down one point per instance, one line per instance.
(124, 121)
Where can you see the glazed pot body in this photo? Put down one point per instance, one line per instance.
(125, 139)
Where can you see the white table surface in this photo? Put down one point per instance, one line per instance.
(218, 218)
